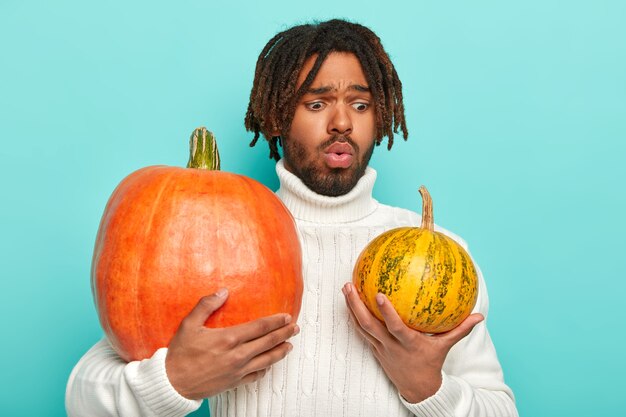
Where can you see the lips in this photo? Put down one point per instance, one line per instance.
(339, 155)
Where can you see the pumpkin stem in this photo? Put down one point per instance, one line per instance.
(427, 210)
(203, 152)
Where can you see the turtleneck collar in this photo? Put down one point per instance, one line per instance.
(309, 206)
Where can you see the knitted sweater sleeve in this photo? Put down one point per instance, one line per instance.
(473, 383)
(102, 384)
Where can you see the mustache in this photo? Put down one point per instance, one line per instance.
(341, 139)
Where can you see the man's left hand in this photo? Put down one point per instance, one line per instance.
(412, 360)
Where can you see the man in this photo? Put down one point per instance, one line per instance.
(327, 93)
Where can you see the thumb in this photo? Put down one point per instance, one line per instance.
(206, 306)
(463, 329)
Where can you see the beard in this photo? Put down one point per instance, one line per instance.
(309, 167)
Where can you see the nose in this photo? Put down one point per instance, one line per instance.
(340, 122)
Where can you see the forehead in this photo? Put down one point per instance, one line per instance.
(338, 69)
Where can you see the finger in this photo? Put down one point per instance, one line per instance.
(255, 329)
(394, 323)
(269, 341)
(205, 307)
(379, 356)
(364, 318)
(462, 330)
(373, 341)
(254, 376)
(267, 359)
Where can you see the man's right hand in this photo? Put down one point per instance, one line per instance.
(203, 362)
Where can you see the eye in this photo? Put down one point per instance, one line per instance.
(361, 107)
(315, 106)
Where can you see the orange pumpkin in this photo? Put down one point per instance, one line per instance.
(428, 277)
(171, 235)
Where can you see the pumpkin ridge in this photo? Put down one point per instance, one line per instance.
(406, 272)
(392, 258)
(420, 296)
(448, 273)
(383, 243)
(248, 223)
(156, 201)
(401, 282)
(139, 308)
(463, 284)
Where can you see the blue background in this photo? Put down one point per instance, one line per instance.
(517, 121)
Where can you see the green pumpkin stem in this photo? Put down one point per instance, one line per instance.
(427, 210)
(203, 152)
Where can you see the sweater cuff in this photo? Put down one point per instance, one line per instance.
(151, 384)
(441, 404)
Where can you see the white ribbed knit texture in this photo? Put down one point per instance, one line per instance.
(102, 384)
(330, 371)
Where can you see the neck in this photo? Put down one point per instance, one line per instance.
(306, 205)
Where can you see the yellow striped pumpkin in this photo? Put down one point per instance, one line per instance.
(428, 277)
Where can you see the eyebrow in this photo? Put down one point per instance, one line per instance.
(326, 89)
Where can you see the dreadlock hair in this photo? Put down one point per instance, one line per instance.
(274, 97)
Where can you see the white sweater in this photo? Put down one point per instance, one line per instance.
(331, 371)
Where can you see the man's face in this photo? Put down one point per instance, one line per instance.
(332, 133)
